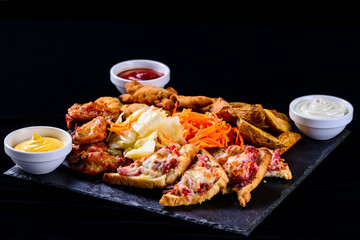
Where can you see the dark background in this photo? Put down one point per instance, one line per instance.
(56, 53)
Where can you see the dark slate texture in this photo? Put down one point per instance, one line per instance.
(221, 212)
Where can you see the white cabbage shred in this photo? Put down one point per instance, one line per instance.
(152, 128)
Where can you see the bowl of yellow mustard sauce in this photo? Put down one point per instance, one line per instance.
(38, 149)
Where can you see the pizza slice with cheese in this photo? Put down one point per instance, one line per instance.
(161, 168)
(277, 166)
(245, 168)
(200, 182)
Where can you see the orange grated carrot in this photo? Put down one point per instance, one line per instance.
(208, 131)
(120, 128)
(175, 108)
(168, 138)
(236, 138)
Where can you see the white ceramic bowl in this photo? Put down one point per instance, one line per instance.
(139, 63)
(320, 128)
(37, 163)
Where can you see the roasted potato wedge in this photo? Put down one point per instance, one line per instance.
(252, 113)
(289, 139)
(230, 112)
(257, 137)
(276, 123)
(221, 108)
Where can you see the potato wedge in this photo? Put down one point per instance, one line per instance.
(276, 123)
(257, 137)
(252, 113)
(230, 112)
(289, 139)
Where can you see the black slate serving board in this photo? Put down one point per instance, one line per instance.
(221, 212)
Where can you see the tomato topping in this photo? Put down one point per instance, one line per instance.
(169, 165)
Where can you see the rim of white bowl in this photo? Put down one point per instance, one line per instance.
(114, 75)
(320, 122)
(11, 148)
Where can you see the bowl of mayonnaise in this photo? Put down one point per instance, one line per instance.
(320, 117)
(38, 149)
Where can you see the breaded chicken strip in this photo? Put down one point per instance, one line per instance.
(194, 102)
(148, 94)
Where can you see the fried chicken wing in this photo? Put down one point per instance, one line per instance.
(90, 132)
(93, 147)
(108, 107)
(171, 89)
(85, 112)
(93, 159)
(71, 123)
(148, 94)
(79, 113)
(111, 107)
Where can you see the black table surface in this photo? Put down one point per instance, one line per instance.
(50, 62)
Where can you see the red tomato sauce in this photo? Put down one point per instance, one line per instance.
(140, 74)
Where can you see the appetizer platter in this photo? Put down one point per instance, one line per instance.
(221, 164)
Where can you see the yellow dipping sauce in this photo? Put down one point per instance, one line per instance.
(39, 144)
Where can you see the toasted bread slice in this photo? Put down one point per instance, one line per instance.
(281, 173)
(203, 180)
(277, 167)
(245, 169)
(160, 169)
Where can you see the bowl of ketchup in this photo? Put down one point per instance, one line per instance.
(147, 72)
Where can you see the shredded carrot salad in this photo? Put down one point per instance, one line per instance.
(208, 131)
(120, 128)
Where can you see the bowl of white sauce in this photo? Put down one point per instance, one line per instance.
(321, 117)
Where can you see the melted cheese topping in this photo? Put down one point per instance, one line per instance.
(155, 164)
(242, 167)
(200, 177)
(276, 163)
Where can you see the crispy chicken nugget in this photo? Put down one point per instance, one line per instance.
(148, 94)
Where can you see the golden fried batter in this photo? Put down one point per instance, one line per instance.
(194, 102)
(85, 112)
(92, 159)
(148, 94)
(111, 107)
(108, 107)
(90, 132)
